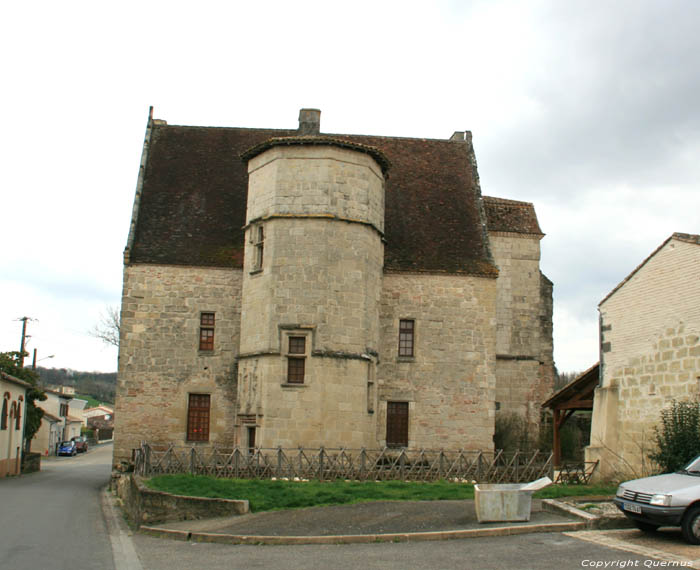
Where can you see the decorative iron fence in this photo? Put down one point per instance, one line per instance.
(352, 464)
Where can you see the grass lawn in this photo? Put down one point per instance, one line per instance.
(266, 495)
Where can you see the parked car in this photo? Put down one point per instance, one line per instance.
(672, 499)
(81, 443)
(67, 448)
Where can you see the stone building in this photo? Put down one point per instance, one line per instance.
(650, 355)
(287, 287)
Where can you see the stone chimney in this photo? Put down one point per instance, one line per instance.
(309, 122)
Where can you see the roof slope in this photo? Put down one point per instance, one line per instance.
(687, 238)
(511, 216)
(192, 204)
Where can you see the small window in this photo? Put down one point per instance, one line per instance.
(3, 419)
(251, 439)
(397, 424)
(18, 415)
(406, 337)
(296, 360)
(206, 331)
(259, 243)
(198, 417)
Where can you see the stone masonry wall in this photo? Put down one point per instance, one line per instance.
(160, 363)
(321, 211)
(524, 365)
(450, 382)
(650, 355)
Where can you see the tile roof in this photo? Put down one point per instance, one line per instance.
(511, 216)
(192, 202)
(14, 380)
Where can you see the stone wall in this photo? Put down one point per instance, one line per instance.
(321, 212)
(650, 355)
(160, 363)
(524, 365)
(450, 382)
(146, 506)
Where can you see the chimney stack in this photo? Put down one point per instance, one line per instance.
(309, 122)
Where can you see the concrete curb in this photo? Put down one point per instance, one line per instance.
(184, 535)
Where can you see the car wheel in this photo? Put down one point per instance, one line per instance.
(646, 527)
(691, 525)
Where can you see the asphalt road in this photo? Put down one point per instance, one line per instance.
(53, 519)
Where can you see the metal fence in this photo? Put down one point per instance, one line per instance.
(352, 464)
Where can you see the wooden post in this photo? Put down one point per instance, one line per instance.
(556, 443)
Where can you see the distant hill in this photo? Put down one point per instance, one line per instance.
(100, 385)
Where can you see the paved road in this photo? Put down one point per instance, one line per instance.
(521, 552)
(54, 520)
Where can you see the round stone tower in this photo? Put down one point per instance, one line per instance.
(311, 290)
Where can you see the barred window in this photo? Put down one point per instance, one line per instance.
(406, 337)
(198, 417)
(206, 331)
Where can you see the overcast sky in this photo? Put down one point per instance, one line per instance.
(589, 109)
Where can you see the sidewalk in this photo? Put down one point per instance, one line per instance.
(364, 522)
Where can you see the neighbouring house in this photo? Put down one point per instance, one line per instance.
(284, 287)
(98, 411)
(649, 354)
(12, 412)
(102, 426)
(59, 423)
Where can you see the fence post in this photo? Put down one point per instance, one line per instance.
(320, 464)
(279, 461)
(147, 469)
(192, 461)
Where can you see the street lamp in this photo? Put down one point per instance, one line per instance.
(34, 361)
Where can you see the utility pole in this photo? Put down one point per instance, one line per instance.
(24, 336)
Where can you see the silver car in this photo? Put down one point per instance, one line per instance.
(672, 499)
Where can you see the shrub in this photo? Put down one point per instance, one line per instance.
(678, 436)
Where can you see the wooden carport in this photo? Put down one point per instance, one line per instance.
(576, 395)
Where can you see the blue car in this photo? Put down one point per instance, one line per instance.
(67, 448)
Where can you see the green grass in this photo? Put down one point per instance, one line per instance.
(92, 402)
(267, 495)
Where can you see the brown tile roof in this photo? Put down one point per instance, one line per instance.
(511, 216)
(192, 204)
(14, 380)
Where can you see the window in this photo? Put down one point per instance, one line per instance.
(18, 415)
(63, 410)
(251, 439)
(198, 417)
(296, 360)
(206, 331)
(3, 419)
(397, 424)
(259, 243)
(406, 337)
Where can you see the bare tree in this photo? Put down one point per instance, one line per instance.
(107, 330)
